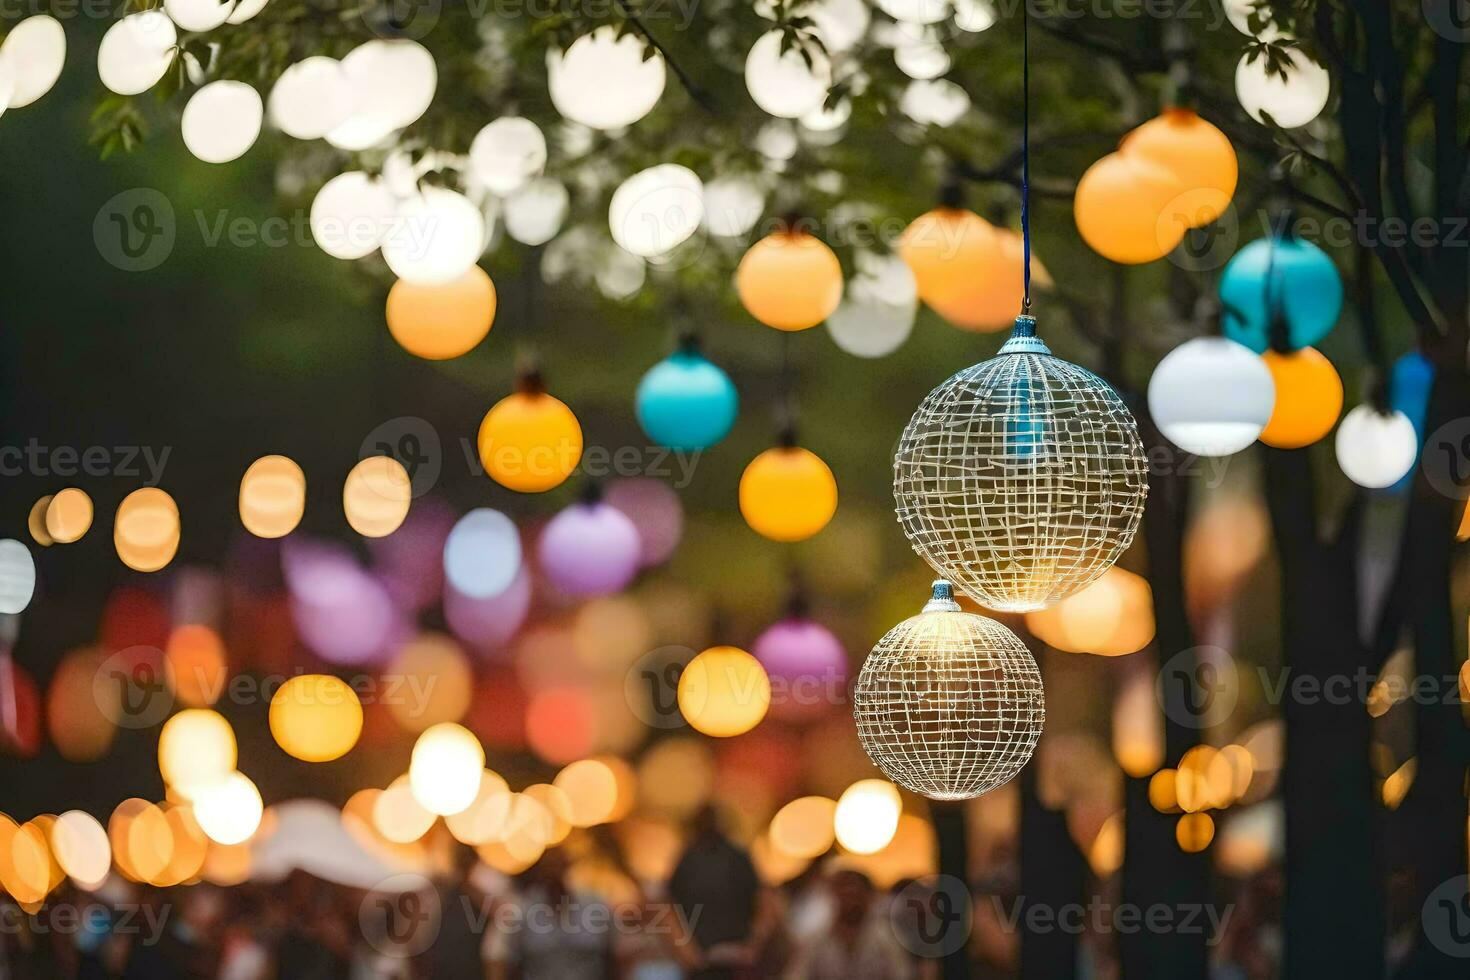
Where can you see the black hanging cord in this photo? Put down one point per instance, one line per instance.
(1025, 161)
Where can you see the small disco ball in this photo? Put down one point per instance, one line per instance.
(949, 704)
(1020, 479)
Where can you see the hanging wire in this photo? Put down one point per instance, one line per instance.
(1025, 161)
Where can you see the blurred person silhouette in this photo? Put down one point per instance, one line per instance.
(315, 944)
(551, 933)
(858, 940)
(727, 922)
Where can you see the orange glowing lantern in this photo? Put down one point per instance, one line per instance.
(1308, 398)
(1126, 208)
(788, 494)
(967, 270)
(789, 280)
(1198, 155)
(444, 320)
(530, 441)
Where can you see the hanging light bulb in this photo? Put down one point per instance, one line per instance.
(1211, 396)
(685, 401)
(1022, 478)
(949, 704)
(1280, 277)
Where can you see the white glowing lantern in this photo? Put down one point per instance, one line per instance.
(825, 120)
(436, 236)
(244, 10)
(840, 24)
(1211, 396)
(311, 98)
(916, 11)
(80, 846)
(920, 55)
(198, 15)
(878, 307)
(732, 205)
(603, 81)
(482, 554)
(228, 808)
(934, 103)
(394, 82)
(782, 83)
(350, 215)
(221, 121)
(32, 56)
(656, 210)
(445, 769)
(1292, 101)
(508, 152)
(974, 16)
(17, 576)
(1376, 449)
(136, 51)
(1239, 13)
(534, 214)
(867, 815)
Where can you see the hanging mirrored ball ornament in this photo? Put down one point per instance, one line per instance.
(1020, 479)
(949, 704)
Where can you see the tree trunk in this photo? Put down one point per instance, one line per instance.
(1053, 884)
(1334, 902)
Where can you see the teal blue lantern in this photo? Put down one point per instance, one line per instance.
(1280, 292)
(685, 401)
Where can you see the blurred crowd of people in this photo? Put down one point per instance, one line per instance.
(712, 920)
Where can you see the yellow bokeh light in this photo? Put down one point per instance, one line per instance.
(142, 841)
(376, 496)
(316, 717)
(272, 497)
(788, 494)
(867, 815)
(195, 665)
(1308, 398)
(146, 529)
(442, 320)
(774, 866)
(530, 441)
(36, 522)
(226, 866)
(591, 789)
(1106, 853)
(1194, 832)
(723, 692)
(1111, 617)
(436, 681)
(1162, 791)
(195, 747)
(484, 819)
(80, 845)
(804, 827)
(558, 809)
(789, 280)
(188, 844)
(676, 776)
(228, 809)
(445, 768)
(1138, 726)
(68, 515)
(26, 866)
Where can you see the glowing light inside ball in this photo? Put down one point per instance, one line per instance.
(530, 442)
(80, 846)
(198, 16)
(272, 497)
(33, 53)
(351, 214)
(939, 102)
(394, 83)
(68, 515)
(732, 205)
(789, 280)
(589, 549)
(222, 120)
(195, 747)
(1308, 398)
(17, 576)
(534, 213)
